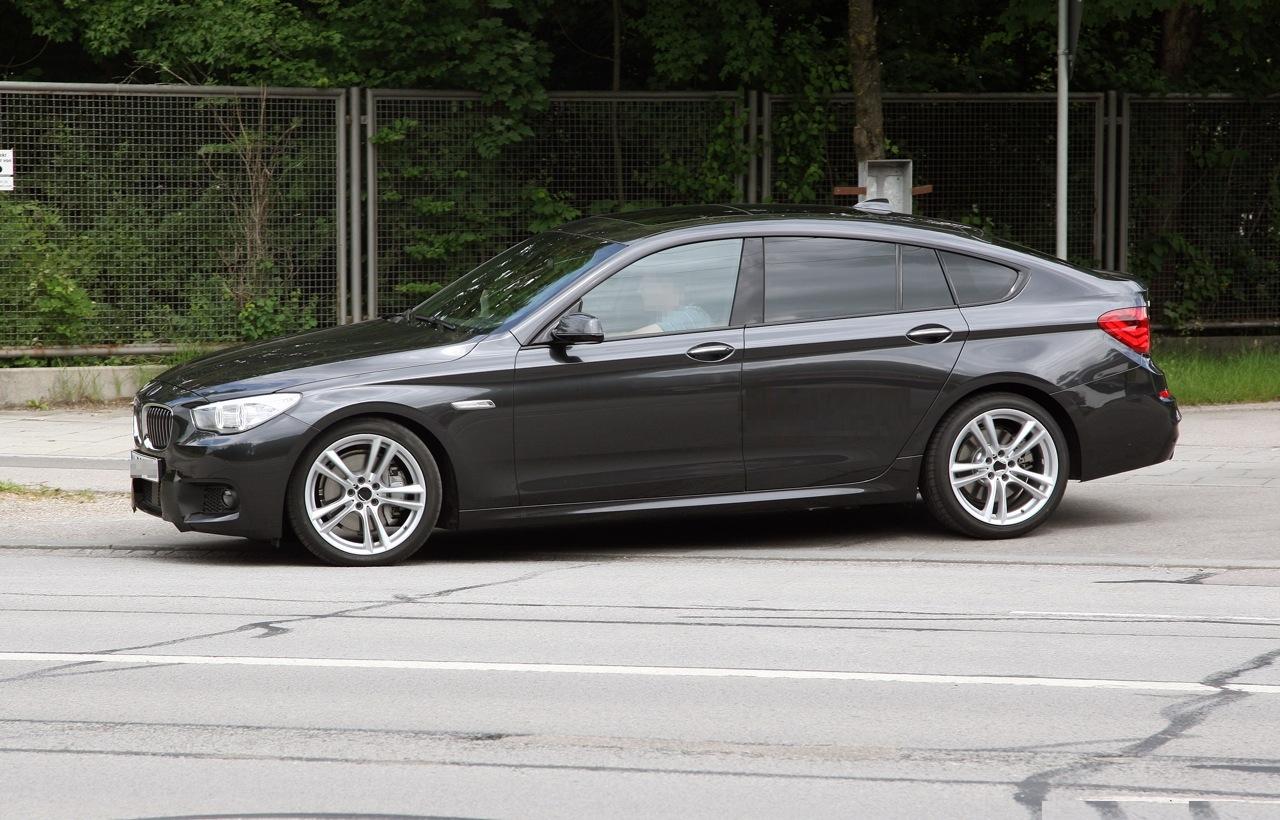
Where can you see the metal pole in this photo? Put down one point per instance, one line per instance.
(1109, 204)
(1099, 130)
(766, 158)
(753, 111)
(740, 180)
(1122, 210)
(370, 208)
(353, 143)
(340, 211)
(1060, 244)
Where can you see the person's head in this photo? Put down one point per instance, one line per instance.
(661, 293)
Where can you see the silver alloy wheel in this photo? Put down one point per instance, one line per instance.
(1003, 467)
(365, 494)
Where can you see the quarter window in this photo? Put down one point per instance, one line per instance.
(677, 290)
(817, 278)
(977, 280)
(923, 285)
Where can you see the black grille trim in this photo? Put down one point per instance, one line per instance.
(159, 426)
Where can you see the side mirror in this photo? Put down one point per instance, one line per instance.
(577, 329)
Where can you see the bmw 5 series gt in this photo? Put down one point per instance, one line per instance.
(706, 357)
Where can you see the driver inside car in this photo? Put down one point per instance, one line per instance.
(665, 298)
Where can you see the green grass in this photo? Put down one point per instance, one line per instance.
(39, 491)
(1206, 378)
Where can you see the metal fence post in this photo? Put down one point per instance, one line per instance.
(741, 179)
(753, 180)
(353, 145)
(766, 155)
(1122, 214)
(1109, 186)
(370, 209)
(1099, 124)
(340, 206)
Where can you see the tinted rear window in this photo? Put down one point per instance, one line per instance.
(923, 285)
(977, 280)
(813, 278)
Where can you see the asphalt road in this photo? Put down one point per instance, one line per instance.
(1124, 661)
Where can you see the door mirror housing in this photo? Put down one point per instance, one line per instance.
(577, 329)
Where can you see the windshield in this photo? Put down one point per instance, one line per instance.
(513, 283)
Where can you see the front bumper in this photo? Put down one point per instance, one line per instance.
(198, 469)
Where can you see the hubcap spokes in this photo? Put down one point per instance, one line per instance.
(365, 494)
(1003, 467)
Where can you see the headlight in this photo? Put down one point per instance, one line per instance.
(238, 415)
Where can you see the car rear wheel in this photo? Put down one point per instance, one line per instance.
(366, 493)
(996, 467)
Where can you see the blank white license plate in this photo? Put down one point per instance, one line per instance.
(142, 465)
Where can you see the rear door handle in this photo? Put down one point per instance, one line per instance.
(710, 352)
(929, 334)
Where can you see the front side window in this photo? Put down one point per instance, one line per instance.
(676, 290)
(815, 278)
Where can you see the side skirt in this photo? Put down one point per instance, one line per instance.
(895, 485)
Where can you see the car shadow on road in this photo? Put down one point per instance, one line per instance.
(826, 534)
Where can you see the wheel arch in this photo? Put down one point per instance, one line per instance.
(449, 504)
(1040, 396)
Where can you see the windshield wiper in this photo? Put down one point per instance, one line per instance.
(435, 321)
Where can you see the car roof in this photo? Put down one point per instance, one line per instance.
(629, 226)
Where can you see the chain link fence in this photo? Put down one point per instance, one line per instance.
(158, 214)
(155, 214)
(1204, 208)
(447, 198)
(989, 157)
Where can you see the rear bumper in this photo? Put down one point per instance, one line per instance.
(1121, 422)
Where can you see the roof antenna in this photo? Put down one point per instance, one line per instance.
(879, 205)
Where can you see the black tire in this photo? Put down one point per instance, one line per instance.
(936, 473)
(414, 454)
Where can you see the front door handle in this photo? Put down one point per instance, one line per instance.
(929, 334)
(710, 352)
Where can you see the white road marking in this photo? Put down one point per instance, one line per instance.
(1102, 616)
(646, 671)
(1175, 800)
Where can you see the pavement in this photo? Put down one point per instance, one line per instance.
(1122, 661)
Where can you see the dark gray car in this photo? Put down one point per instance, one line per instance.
(673, 359)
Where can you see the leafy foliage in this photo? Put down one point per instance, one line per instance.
(447, 185)
(43, 298)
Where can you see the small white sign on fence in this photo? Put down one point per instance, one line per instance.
(6, 169)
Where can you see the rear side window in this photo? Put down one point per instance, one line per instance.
(977, 280)
(815, 278)
(923, 285)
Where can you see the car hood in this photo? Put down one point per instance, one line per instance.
(317, 355)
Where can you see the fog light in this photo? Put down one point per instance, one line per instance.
(230, 499)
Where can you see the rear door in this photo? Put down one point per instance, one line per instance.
(857, 341)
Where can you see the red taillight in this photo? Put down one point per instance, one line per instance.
(1130, 326)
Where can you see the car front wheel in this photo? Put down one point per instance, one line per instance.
(996, 467)
(365, 493)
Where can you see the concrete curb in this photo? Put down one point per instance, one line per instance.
(60, 385)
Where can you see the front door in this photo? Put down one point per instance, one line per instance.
(653, 411)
